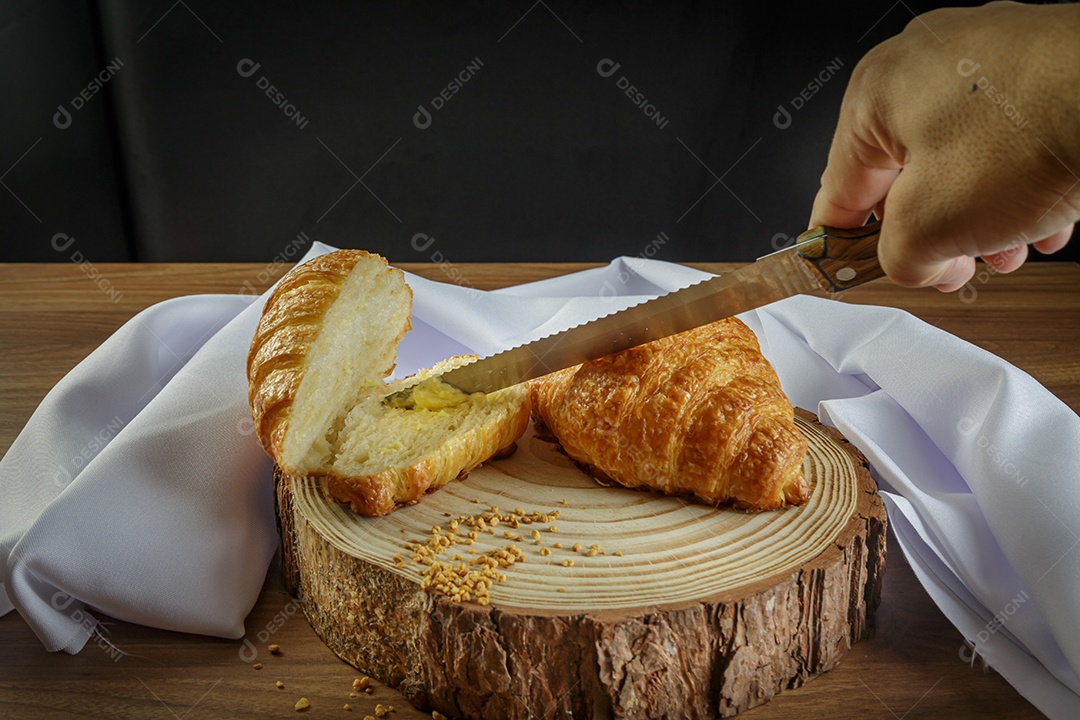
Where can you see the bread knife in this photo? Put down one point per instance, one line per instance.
(822, 260)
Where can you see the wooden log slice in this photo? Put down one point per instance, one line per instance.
(706, 612)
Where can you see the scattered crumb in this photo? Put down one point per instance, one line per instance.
(369, 717)
(567, 563)
(436, 715)
(557, 545)
(279, 685)
(545, 552)
(257, 666)
(346, 706)
(576, 547)
(369, 690)
(353, 695)
(470, 577)
(562, 590)
(301, 705)
(618, 553)
(361, 683)
(381, 711)
(563, 501)
(274, 649)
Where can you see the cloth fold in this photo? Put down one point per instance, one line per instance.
(138, 488)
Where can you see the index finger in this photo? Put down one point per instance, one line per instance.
(856, 179)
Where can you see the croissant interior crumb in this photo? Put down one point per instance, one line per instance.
(348, 347)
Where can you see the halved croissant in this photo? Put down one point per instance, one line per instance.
(699, 413)
(317, 373)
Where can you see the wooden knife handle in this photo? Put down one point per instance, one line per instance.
(843, 257)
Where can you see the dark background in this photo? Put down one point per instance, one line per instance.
(538, 157)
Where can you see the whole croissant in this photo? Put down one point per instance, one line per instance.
(699, 413)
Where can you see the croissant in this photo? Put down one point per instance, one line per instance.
(700, 413)
(317, 370)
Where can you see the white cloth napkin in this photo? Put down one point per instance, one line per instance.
(138, 488)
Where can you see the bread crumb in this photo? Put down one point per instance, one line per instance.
(274, 649)
(369, 690)
(552, 528)
(436, 715)
(381, 711)
(361, 683)
(567, 563)
(576, 547)
(369, 717)
(257, 666)
(279, 685)
(557, 545)
(301, 705)
(618, 553)
(563, 501)
(562, 590)
(346, 706)
(545, 552)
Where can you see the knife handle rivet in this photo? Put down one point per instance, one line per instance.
(846, 274)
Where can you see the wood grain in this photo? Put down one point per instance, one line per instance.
(55, 314)
(672, 550)
(704, 612)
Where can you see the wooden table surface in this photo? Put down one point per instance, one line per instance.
(54, 315)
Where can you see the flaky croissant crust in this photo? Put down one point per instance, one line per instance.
(291, 320)
(317, 375)
(699, 413)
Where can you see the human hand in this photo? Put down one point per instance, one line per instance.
(962, 134)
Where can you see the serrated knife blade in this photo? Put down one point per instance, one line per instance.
(823, 259)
